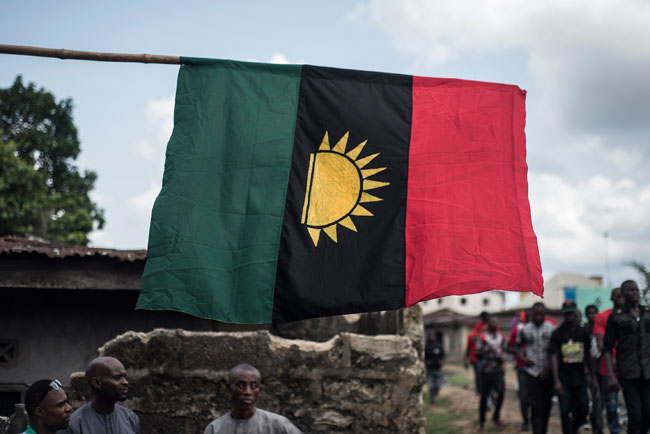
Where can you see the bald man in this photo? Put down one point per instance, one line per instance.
(106, 377)
(244, 386)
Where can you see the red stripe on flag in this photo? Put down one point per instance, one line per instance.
(468, 226)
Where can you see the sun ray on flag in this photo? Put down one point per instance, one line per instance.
(354, 153)
(340, 146)
(331, 231)
(369, 172)
(325, 144)
(348, 223)
(314, 234)
(359, 210)
(371, 185)
(361, 163)
(365, 197)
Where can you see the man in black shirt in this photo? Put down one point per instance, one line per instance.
(570, 352)
(628, 329)
(433, 357)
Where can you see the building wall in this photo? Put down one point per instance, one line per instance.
(471, 304)
(554, 290)
(58, 332)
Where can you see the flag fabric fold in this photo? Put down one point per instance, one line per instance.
(293, 192)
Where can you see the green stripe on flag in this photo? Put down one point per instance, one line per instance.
(215, 228)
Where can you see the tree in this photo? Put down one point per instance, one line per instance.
(41, 190)
(644, 271)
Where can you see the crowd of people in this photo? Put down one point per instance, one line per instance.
(49, 411)
(583, 365)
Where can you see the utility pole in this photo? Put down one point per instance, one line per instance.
(606, 236)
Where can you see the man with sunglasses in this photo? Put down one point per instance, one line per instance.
(47, 406)
(244, 386)
(106, 377)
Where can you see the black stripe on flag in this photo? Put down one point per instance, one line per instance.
(364, 270)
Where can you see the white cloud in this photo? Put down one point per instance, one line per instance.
(590, 57)
(570, 222)
(279, 58)
(101, 239)
(159, 122)
(142, 203)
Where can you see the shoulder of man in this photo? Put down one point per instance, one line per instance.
(74, 426)
(79, 413)
(278, 421)
(214, 426)
(128, 413)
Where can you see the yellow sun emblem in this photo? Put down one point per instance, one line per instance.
(336, 188)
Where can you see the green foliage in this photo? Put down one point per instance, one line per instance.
(644, 284)
(41, 191)
(441, 417)
(22, 192)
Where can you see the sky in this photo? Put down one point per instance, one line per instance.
(584, 63)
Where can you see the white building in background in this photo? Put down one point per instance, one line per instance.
(554, 290)
(496, 301)
(471, 304)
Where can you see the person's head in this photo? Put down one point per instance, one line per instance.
(528, 313)
(484, 316)
(47, 405)
(630, 292)
(491, 322)
(617, 298)
(591, 312)
(244, 385)
(570, 311)
(107, 379)
(538, 313)
(431, 338)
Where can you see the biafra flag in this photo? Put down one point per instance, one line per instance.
(295, 192)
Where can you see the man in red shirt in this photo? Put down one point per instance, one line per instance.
(610, 397)
(490, 347)
(470, 352)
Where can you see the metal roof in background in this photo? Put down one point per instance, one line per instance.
(26, 244)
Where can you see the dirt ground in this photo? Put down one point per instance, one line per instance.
(465, 400)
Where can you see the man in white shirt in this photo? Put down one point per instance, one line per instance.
(244, 385)
(534, 341)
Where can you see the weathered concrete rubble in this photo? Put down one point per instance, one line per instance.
(351, 383)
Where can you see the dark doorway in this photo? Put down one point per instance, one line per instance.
(7, 402)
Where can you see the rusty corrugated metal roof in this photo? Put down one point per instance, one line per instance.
(26, 243)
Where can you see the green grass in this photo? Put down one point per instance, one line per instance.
(460, 380)
(440, 417)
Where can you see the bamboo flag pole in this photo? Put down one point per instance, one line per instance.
(62, 53)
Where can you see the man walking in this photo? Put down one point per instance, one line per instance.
(490, 348)
(47, 407)
(596, 415)
(610, 397)
(628, 329)
(533, 341)
(106, 377)
(244, 386)
(570, 353)
(434, 355)
(522, 379)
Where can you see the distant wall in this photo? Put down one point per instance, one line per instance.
(351, 383)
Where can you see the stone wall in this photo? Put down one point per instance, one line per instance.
(351, 383)
(15, 424)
